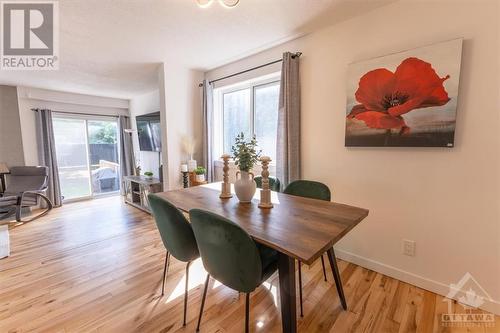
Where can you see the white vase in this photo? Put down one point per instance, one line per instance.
(200, 178)
(245, 186)
(192, 165)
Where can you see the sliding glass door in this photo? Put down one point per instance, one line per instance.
(87, 155)
(103, 156)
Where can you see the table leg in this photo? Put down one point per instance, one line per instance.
(336, 277)
(286, 267)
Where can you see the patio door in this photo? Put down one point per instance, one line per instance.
(87, 155)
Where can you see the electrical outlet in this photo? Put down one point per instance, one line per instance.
(409, 247)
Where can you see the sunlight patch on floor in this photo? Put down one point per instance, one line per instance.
(197, 276)
(273, 290)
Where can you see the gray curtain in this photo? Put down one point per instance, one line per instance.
(126, 150)
(288, 141)
(47, 153)
(208, 121)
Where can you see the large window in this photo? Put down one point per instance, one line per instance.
(251, 108)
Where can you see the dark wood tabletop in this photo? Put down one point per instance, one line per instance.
(299, 227)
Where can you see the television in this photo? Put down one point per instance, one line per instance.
(149, 132)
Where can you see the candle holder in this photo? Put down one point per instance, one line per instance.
(225, 186)
(185, 179)
(265, 192)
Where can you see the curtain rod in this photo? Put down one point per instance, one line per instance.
(297, 54)
(80, 113)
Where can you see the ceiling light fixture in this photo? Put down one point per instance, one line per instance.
(229, 3)
(224, 3)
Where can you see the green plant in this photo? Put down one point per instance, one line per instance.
(148, 174)
(245, 153)
(200, 170)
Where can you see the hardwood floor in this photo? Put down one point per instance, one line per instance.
(96, 266)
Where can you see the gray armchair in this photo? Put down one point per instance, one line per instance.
(25, 189)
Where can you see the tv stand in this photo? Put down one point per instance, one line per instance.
(137, 189)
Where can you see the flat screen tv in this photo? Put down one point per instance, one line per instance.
(149, 132)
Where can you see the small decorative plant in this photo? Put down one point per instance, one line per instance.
(200, 170)
(148, 174)
(200, 174)
(245, 153)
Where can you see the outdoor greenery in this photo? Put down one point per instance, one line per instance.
(245, 153)
(102, 132)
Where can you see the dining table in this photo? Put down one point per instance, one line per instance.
(297, 228)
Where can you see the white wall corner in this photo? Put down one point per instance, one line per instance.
(164, 129)
(180, 106)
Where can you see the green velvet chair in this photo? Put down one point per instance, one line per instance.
(314, 190)
(177, 237)
(274, 183)
(231, 256)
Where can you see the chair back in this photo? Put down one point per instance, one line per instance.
(274, 183)
(175, 231)
(27, 178)
(309, 189)
(229, 254)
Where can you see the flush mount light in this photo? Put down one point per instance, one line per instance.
(229, 3)
(204, 3)
(224, 3)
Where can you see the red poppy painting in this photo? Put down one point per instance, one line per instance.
(405, 99)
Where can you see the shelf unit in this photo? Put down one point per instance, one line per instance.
(137, 189)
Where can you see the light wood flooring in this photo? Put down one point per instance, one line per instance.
(96, 266)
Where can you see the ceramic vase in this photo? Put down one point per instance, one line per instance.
(244, 186)
(192, 165)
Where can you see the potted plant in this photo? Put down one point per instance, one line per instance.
(200, 174)
(245, 156)
(148, 175)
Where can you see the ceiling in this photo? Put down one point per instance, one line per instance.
(113, 47)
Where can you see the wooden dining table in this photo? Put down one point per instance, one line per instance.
(298, 228)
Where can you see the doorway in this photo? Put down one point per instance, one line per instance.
(87, 155)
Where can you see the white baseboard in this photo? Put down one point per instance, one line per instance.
(439, 288)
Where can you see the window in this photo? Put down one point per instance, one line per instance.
(251, 108)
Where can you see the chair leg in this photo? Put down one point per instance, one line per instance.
(323, 264)
(336, 277)
(186, 293)
(165, 270)
(19, 209)
(19, 206)
(300, 289)
(247, 312)
(203, 302)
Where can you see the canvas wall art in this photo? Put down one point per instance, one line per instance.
(407, 99)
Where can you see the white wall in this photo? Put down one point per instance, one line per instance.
(444, 199)
(180, 104)
(29, 98)
(139, 105)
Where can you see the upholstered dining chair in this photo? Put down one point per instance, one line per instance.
(315, 190)
(231, 256)
(274, 183)
(26, 188)
(177, 237)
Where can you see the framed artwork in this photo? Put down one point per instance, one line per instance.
(406, 99)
